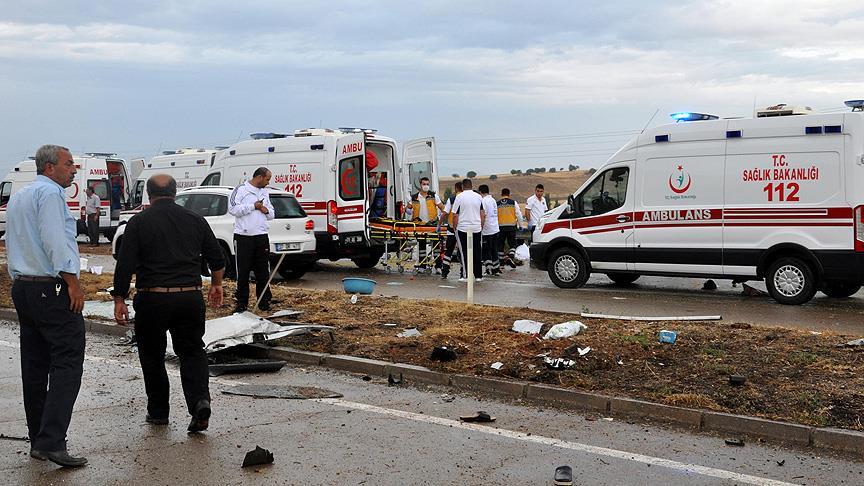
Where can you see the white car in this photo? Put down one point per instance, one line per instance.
(292, 232)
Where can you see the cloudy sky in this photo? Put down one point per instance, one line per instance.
(501, 84)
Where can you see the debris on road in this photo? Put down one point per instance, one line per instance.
(366, 378)
(281, 391)
(563, 476)
(354, 299)
(480, 416)
(390, 324)
(565, 329)
(497, 365)
(584, 351)
(749, 291)
(527, 326)
(12, 437)
(709, 285)
(558, 363)
(589, 315)
(737, 380)
(285, 313)
(443, 353)
(413, 332)
(734, 442)
(447, 398)
(856, 342)
(246, 366)
(781, 463)
(666, 336)
(246, 328)
(393, 381)
(257, 457)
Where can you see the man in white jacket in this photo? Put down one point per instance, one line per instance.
(250, 205)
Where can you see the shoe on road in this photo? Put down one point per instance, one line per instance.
(564, 476)
(61, 458)
(201, 417)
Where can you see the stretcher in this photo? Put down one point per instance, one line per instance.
(401, 237)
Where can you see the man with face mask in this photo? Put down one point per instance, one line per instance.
(424, 208)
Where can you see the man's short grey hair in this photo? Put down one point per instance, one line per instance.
(155, 190)
(48, 154)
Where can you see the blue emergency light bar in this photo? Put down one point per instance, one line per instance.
(856, 105)
(687, 116)
(266, 135)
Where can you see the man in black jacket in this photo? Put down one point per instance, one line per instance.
(163, 246)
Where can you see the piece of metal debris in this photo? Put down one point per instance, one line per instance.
(13, 437)
(257, 366)
(285, 313)
(393, 381)
(281, 391)
(447, 398)
(734, 442)
(257, 457)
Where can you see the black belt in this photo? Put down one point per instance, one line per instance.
(30, 278)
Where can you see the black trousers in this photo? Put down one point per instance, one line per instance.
(181, 314)
(490, 253)
(93, 228)
(463, 252)
(253, 254)
(52, 360)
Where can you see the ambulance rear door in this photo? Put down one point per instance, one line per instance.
(419, 159)
(350, 198)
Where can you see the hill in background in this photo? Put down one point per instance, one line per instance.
(558, 185)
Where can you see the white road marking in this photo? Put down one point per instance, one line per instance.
(510, 434)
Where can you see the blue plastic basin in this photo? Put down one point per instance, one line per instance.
(355, 285)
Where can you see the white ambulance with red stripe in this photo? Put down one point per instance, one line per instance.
(779, 197)
(107, 174)
(342, 178)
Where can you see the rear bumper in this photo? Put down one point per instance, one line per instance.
(538, 255)
(344, 245)
(841, 266)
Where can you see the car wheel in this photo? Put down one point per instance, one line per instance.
(294, 270)
(790, 281)
(368, 261)
(567, 268)
(623, 278)
(840, 290)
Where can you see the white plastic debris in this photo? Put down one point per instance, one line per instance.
(354, 299)
(558, 363)
(565, 329)
(413, 332)
(527, 326)
(96, 269)
(522, 252)
(584, 351)
(856, 342)
(83, 263)
(497, 365)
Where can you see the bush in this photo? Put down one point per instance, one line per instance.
(591, 171)
(455, 176)
(552, 170)
(514, 171)
(471, 174)
(493, 177)
(572, 167)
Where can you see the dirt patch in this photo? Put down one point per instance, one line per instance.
(791, 375)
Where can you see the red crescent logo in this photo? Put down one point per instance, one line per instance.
(74, 196)
(683, 189)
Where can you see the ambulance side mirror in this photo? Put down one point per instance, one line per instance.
(572, 205)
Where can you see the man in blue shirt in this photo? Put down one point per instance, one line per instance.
(43, 262)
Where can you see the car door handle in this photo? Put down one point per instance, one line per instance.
(623, 218)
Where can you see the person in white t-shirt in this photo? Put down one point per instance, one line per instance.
(491, 262)
(450, 244)
(535, 206)
(468, 216)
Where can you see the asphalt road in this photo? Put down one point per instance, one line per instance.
(374, 435)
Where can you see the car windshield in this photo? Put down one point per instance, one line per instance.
(287, 207)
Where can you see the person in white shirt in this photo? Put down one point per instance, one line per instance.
(250, 205)
(450, 244)
(535, 206)
(490, 232)
(91, 210)
(468, 216)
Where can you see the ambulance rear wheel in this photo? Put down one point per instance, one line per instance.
(623, 278)
(567, 268)
(839, 290)
(790, 281)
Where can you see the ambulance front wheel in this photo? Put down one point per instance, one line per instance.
(567, 268)
(790, 281)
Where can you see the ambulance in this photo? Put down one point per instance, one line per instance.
(107, 174)
(778, 197)
(342, 178)
(188, 166)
